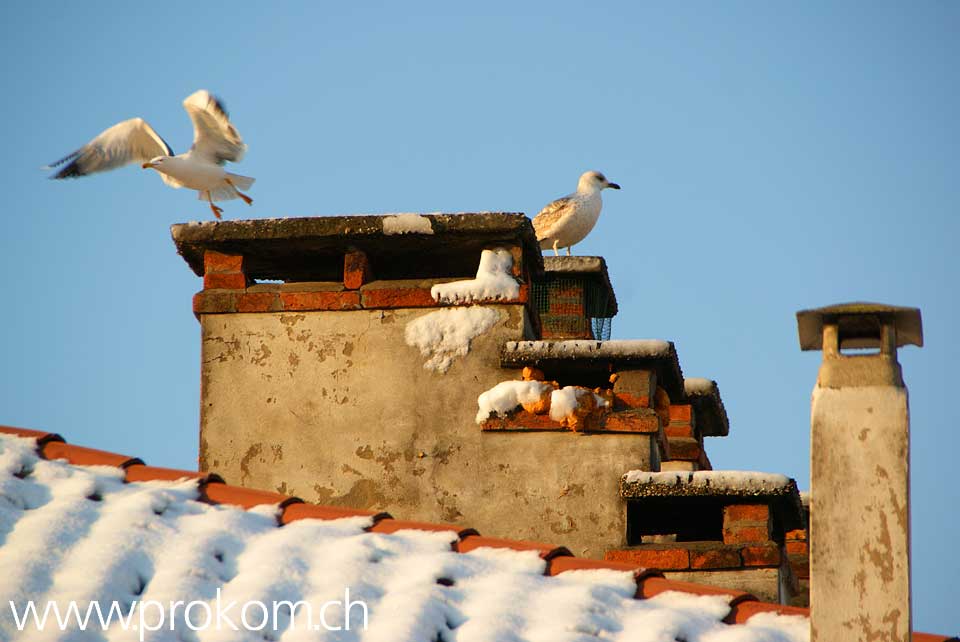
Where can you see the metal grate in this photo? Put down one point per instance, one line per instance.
(569, 307)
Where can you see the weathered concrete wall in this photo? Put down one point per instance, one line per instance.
(859, 530)
(335, 408)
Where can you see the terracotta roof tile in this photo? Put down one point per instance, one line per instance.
(297, 511)
(566, 563)
(547, 551)
(41, 436)
(652, 586)
(930, 637)
(394, 525)
(244, 497)
(650, 582)
(80, 456)
(744, 610)
(141, 472)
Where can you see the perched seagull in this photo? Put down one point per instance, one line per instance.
(567, 221)
(215, 141)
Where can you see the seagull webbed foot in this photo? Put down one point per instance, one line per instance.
(217, 211)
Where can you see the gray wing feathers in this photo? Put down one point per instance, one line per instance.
(549, 215)
(131, 141)
(214, 136)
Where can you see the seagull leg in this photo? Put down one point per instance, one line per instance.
(246, 199)
(217, 211)
(569, 253)
(556, 252)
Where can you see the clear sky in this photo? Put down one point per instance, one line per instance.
(773, 156)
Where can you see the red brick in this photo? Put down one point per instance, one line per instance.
(663, 559)
(800, 566)
(745, 534)
(627, 421)
(397, 298)
(681, 430)
(213, 302)
(794, 546)
(516, 251)
(682, 413)
(768, 555)
(258, 302)
(627, 400)
(217, 262)
(356, 270)
(717, 558)
(684, 449)
(224, 281)
(746, 513)
(797, 534)
(524, 295)
(300, 301)
(521, 420)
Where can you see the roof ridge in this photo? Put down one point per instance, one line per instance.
(214, 490)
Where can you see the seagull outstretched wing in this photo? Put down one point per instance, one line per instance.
(215, 139)
(550, 214)
(131, 141)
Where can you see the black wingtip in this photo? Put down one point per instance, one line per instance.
(70, 171)
(218, 103)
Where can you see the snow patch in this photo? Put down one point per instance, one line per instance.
(643, 348)
(696, 386)
(443, 335)
(565, 401)
(504, 397)
(716, 479)
(407, 224)
(494, 281)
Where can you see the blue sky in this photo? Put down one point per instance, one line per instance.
(773, 157)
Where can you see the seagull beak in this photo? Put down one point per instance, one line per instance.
(148, 166)
(613, 186)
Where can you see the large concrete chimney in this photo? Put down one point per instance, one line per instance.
(354, 361)
(859, 472)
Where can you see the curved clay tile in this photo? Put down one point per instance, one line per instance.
(294, 512)
(141, 472)
(80, 456)
(547, 551)
(41, 436)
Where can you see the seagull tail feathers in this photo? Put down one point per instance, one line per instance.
(242, 182)
(227, 192)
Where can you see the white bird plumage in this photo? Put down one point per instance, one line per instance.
(567, 221)
(215, 141)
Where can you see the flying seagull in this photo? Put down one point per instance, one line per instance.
(215, 141)
(567, 221)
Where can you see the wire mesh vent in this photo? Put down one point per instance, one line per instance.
(571, 308)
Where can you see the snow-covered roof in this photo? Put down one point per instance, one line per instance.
(88, 533)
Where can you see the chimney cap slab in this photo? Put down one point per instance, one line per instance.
(858, 324)
(704, 396)
(589, 355)
(726, 486)
(591, 268)
(293, 249)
